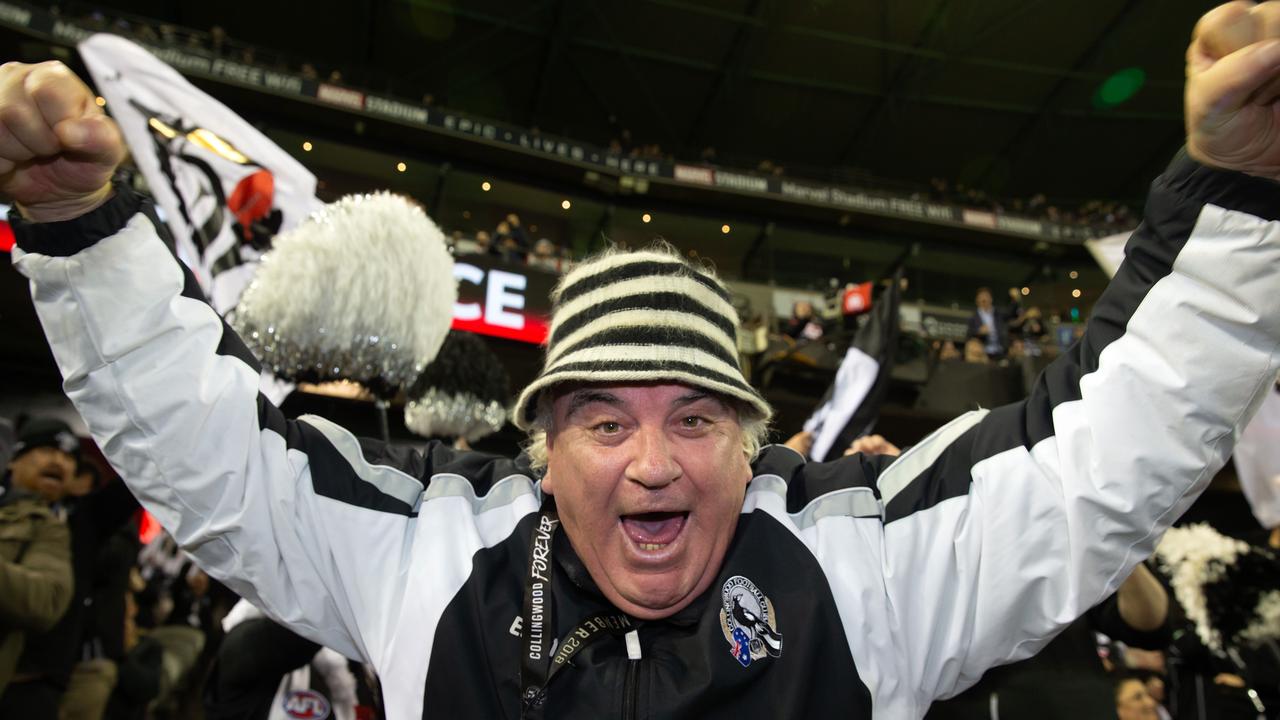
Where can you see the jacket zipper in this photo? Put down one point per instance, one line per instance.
(630, 690)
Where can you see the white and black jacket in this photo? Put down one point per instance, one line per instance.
(890, 584)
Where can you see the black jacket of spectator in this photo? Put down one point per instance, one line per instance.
(1001, 329)
(253, 658)
(104, 626)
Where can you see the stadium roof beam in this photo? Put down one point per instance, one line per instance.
(517, 23)
(731, 71)
(628, 53)
(896, 84)
(651, 100)
(930, 54)
(554, 45)
(1013, 149)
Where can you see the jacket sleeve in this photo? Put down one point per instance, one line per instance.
(299, 517)
(1005, 525)
(35, 591)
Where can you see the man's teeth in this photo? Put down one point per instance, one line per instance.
(651, 546)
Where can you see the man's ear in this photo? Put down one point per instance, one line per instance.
(548, 478)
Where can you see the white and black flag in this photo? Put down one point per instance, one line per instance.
(223, 187)
(851, 405)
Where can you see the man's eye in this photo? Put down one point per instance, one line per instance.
(608, 427)
(693, 421)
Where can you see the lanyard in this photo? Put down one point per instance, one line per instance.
(540, 660)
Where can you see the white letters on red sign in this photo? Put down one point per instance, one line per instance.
(498, 298)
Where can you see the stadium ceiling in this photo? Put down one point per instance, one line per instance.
(1077, 100)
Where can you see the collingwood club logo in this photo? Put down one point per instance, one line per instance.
(749, 622)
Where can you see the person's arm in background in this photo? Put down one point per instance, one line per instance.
(1137, 614)
(36, 590)
(1142, 602)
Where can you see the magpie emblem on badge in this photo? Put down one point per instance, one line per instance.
(749, 622)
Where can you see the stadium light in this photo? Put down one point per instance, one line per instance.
(401, 167)
(566, 204)
(306, 146)
(485, 186)
(725, 228)
(645, 218)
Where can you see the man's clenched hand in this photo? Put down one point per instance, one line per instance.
(1233, 85)
(57, 148)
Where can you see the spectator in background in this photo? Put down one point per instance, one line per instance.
(308, 72)
(803, 323)
(946, 350)
(36, 582)
(217, 40)
(988, 324)
(261, 666)
(146, 34)
(93, 515)
(1133, 701)
(7, 441)
(545, 255)
(975, 353)
(101, 646)
(510, 239)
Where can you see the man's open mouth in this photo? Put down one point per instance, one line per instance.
(654, 531)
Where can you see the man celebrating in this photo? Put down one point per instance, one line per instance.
(660, 566)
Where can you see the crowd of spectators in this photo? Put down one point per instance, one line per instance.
(510, 242)
(1094, 213)
(95, 624)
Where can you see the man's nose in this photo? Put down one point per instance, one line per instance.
(654, 464)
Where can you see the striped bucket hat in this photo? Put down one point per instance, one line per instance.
(641, 317)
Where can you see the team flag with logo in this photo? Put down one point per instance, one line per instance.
(223, 187)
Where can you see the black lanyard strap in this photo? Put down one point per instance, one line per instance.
(541, 660)
(538, 624)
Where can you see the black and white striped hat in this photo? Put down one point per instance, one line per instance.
(645, 316)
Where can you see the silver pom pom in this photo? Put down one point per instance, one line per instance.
(441, 414)
(362, 291)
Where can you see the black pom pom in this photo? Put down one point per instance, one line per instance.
(465, 364)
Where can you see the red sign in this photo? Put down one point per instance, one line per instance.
(503, 300)
(6, 236)
(343, 97)
(857, 299)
